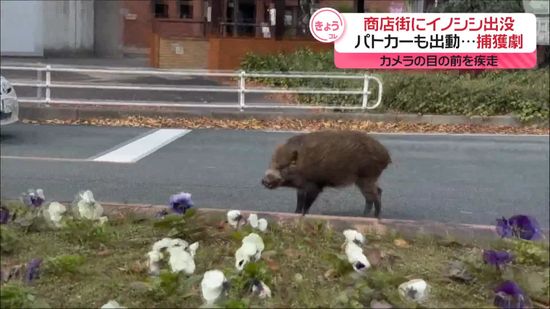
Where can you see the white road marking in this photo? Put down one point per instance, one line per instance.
(142, 147)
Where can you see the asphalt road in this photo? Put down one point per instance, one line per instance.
(448, 178)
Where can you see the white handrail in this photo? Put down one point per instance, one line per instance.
(239, 76)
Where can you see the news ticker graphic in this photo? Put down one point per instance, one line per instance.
(428, 40)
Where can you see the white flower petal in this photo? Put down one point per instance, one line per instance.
(244, 254)
(154, 262)
(264, 290)
(55, 213)
(233, 217)
(163, 244)
(177, 242)
(262, 225)
(354, 236)
(181, 260)
(193, 248)
(420, 287)
(356, 257)
(253, 220)
(87, 206)
(111, 305)
(254, 239)
(40, 194)
(212, 285)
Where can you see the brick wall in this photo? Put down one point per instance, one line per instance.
(138, 28)
(180, 53)
(227, 53)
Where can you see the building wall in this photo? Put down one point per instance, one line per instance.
(108, 28)
(178, 53)
(138, 25)
(21, 28)
(68, 27)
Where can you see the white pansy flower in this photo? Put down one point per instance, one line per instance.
(55, 212)
(354, 236)
(251, 249)
(154, 262)
(253, 220)
(87, 207)
(112, 304)
(262, 225)
(193, 248)
(262, 289)
(257, 241)
(213, 285)
(234, 217)
(103, 220)
(356, 257)
(181, 260)
(177, 242)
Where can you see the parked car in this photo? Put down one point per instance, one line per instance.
(9, 108)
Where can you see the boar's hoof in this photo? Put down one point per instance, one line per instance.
(368, 209)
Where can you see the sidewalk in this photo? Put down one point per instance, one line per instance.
(130, 62)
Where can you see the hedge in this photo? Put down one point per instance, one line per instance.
(524, 93)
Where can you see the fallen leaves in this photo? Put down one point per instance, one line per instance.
(401, 243)
(295, 125)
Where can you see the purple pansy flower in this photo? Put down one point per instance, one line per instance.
(522, 226)
(509, 295)
(34, 198)
(4, 215)
(525, 227)
(181, 202)
(504, 229)
(33, 270)
(497, 258)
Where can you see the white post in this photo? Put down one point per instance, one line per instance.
(48, 82)
(241, 90)
(365, 91)
(38, 80)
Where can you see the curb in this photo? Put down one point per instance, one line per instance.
(467, 233)
(35, 112)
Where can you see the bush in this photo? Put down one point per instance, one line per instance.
(523, 93)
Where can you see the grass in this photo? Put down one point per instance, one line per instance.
(300, 263)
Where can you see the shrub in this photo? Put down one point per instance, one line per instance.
(523, 93)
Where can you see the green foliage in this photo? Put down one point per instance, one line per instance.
(169, 285)
(521, 92)
(88, 232)
(8, 242)
(189, 226)
(16, 296)
(63, 264)
(236, 304)
(530, 253)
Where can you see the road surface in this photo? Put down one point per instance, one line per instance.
(448, 178)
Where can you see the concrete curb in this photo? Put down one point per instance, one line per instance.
(66, 112)
(467, 233)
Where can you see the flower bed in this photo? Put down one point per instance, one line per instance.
(184, 258)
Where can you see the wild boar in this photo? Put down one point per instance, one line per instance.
(310, 162)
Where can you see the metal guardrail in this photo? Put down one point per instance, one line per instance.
(241, 88)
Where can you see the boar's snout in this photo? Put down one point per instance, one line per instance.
(272, 179)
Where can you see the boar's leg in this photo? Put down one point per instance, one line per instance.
(305, 198)
(373, 195)
(301, 200)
